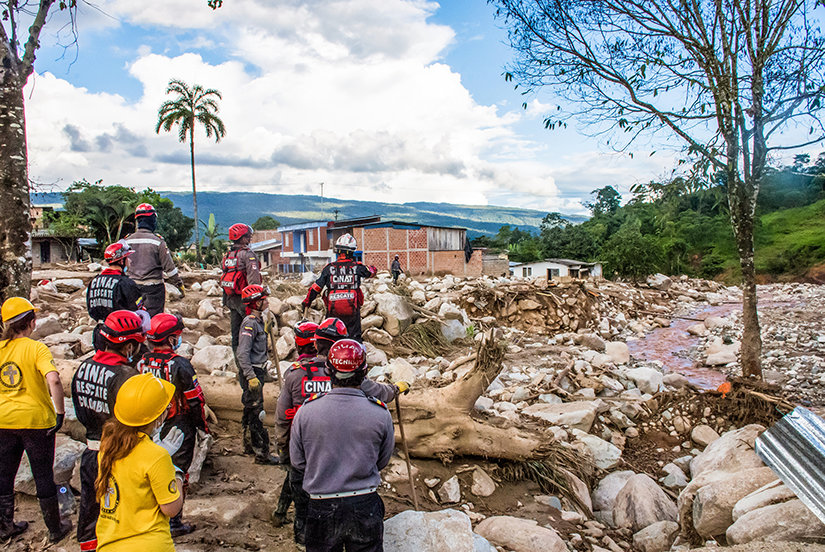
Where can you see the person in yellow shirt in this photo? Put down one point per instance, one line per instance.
(137, 485)
(28, 419)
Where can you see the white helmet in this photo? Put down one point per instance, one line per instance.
(346, 243)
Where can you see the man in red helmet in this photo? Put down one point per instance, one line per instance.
(252, 356)
(94, 387)
(344, 511)
(112, 289)
(186, 411)
(342, 278)
(239, 268)
(151, 264)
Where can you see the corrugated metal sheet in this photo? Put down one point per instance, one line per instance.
(794, 448)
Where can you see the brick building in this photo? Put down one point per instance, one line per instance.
(421, 249)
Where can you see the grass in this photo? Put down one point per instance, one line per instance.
(791, 240)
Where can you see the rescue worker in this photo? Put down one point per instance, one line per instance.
(95, 386)
(395, 268)
(138, 487)
(239, 268)
(186, 412)
(252, 360)
(112, 289)
(28, 419)
(344, 511)
(151, 263)
(306, 378)
(342, 279)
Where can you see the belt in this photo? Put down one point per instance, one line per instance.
(344, 494)
(92, 444)
(152, 282)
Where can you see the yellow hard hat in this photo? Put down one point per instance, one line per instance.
(141, 399)
(15, 307)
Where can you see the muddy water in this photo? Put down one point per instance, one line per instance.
(672, 347)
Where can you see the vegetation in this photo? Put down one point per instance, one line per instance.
(215, 244)
(266, 222)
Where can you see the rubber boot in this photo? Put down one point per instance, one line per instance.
(8, 527)
(178, 528)
(247, 441)
(58, 527)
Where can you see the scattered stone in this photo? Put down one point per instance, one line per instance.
(45, 326)
(618, 352)
(732, 452)
(642, 503)
(520, 535)
(69, 285)
(659, 281)
(703, 435)
(173, 293)
(214, 357)
(450, 491)
(714, 502)
(657, 537)
(206, 309)
(593, 342)
(483, 484)
(605, 455)
(400, 369)
(648, 380)
(396, 471)
(787, 521)
(604, 495)
(446, 530)
(577, 415)
(395, 310)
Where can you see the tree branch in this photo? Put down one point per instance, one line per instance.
(34, 38)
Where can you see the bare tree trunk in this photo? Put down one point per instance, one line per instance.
(194, 192)
(15, 222)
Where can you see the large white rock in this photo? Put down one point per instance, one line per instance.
(648, 380)
(395, 310)
(62, 338)
(713, 505)
(774, 492)
(450, 491)
(172, 293)
(399, 369)
(605, 455)
(69, 285)
(66, 454)
(375, 356)
(204, 341)
(372, 321)
(657, 537)
(713, 322)
(453, 329)
(787, 521)
(46, 325)
(703, 435)
(285, 344)
(720, 358)
(617, 351)
(206, 309)
(443, 531)
(483, 484)
(641, 503)
(214, 357)
(732, 452)
(377, 336)
(659, 281)
(520, 535)
(290, 317)
(577, 415)
(604, 495)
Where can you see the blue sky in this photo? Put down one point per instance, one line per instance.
(392, 100)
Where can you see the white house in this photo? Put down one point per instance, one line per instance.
(554, 269)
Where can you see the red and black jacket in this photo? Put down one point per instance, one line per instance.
(188, 401)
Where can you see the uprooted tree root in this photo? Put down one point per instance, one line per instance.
(425, 339)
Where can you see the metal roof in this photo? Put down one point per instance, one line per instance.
(266, 244)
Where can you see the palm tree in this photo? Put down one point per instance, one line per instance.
(192, 105)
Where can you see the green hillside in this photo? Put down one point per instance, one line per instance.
(791, 240)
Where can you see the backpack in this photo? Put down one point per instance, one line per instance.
(233, 280)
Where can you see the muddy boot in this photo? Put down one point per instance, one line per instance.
(58, 527)
(178, 528)
(247, 441)
(267, 460)
(8, 527)
(278, 517)
(299, 530)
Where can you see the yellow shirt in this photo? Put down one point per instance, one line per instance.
(25, 402)
(130, 518)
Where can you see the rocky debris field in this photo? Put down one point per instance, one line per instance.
(615, 382)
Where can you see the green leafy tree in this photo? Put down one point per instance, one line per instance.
(66, 228)
(630, 254)
(191, 107)
(212, 242)
(266, 222)
(607, 201)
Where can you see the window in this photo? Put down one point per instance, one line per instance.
(552, 273)
(526, 271)
(311, 234)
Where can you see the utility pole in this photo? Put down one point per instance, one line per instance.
(323, 210)
(336, 211)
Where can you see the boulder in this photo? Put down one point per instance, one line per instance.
(528, 304)
(214, 357)
(204, 341)
(657, 537)
(276, 306)
(375, 356)
(577, 415)
(659, 281)
(400, 369)
(698, 329)
(617, 351)
(703, 435)
(206, 309)
(774, 492)
(62, 338)
(648, 380)
(714, 502)
(450, 491)
(173, 293)
(94, 267)
(605, 455)
(732, 452)
(47, 325)
(592, 342)
(295, 302)
(453, 329)
(395, 310)
(641, 503)
(604, 495)
(290, 318)
(67, 452)
(720, 358)
(520, 535)
(449, 311)
(210, 287)
(285, 344)
(69, 285)
(377, 336)
(787, 521)
(443, 531)
(372, 321)
(713, 322)
(677, 381)
(483, 484)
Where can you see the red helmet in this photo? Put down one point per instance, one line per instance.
(346, 358)
(145, 210)
(305, 333)
(164, 325)
(253, 293)
(118, 251)
(239, 230)
(122, 326)
(331, 329)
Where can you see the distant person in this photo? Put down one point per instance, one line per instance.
(151, 263)
(31, 413)
(138, 487)
(396, 269)
(112, 289)
(239, 269)
(342, 279)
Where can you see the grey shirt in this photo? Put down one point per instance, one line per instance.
(252, 346)
(151, 262)
(341, 441)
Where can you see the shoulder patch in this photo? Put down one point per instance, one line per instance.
(378, 402)
(313, 397)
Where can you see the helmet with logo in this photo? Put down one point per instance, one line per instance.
(346, 358)
(142, 399)
(253, 293)
(164, 325)
(305, 333)
(15, 308)
(331, 329)
(117, 252)
(122, 326)
(145, 210)
(346, 243)
(239, 230)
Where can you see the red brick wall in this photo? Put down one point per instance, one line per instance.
(452, 262)
(264, 235)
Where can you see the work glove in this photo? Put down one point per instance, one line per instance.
(58, 424)
(402, 387)
(254, 384)
(268, 324)
(182, 290)
(373, 270)
(172, 442)
(145, 319)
